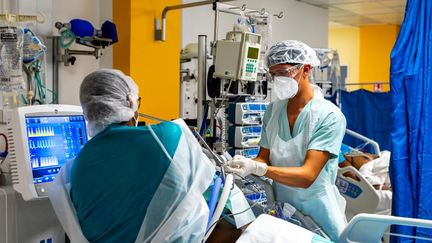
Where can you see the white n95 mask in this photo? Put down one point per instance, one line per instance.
(285, 87)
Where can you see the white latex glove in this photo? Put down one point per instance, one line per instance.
(244, 166)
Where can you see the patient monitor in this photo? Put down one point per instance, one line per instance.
(42, 139)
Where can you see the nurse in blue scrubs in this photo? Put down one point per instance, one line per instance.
(301, 139)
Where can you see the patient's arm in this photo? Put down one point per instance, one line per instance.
(349, 174)
(359, 160)
(383, 187)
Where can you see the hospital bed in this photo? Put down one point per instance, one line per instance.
(372, 227)
(365, 228)
(362, 227)
(360, 195)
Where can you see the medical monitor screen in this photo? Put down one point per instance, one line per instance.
(52, 141)
(253, 53)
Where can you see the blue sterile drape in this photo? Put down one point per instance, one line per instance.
(411, 79)
(369, 114)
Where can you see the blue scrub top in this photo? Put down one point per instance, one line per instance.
(115, 176)
(328, 130)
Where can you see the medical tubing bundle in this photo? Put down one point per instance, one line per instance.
(40, 89)
(213, 199)
(229, 182)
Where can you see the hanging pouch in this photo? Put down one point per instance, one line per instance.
(11, 53)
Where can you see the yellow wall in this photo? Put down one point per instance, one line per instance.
(154, 66)
(347, 42)
(121, 52)
(366, 49)
(376, 43)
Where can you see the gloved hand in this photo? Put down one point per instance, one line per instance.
(244, 166)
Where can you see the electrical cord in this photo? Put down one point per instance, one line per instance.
(41, 87)
(224, 97)
(232, 214)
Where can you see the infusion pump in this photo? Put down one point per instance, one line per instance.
(238, 56)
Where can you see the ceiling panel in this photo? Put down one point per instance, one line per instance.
(333, 2)
(365, 11)
(315, 2)
(357, 21)
(349, 1)
(337, 25)
(338, 13)
(396, 4)
(361, 12)
(387, 18)
(359, 7)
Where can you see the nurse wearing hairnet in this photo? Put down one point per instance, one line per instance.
(301, 138)
(129, 183)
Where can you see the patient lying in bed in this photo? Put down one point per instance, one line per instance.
(374, 169)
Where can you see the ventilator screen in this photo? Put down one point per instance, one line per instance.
(52, 141)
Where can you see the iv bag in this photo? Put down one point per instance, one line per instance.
(11, 53)
(263, 27)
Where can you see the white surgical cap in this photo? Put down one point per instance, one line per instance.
(291, 51)
(107, 96)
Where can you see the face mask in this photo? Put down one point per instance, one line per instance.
(285, 87)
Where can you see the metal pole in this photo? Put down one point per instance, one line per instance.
(368, 83)
(151, 117)
(213, 100)
(216, 23)
(374, 144)
(229, 9)
(202, 68)
(55, 69)
(160, 31)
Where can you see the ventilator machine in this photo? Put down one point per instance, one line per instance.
(40, 140)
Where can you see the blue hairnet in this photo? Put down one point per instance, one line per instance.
(107, 96)
(291, 51)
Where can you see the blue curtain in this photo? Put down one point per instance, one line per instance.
(369, 114)
(411, 79)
